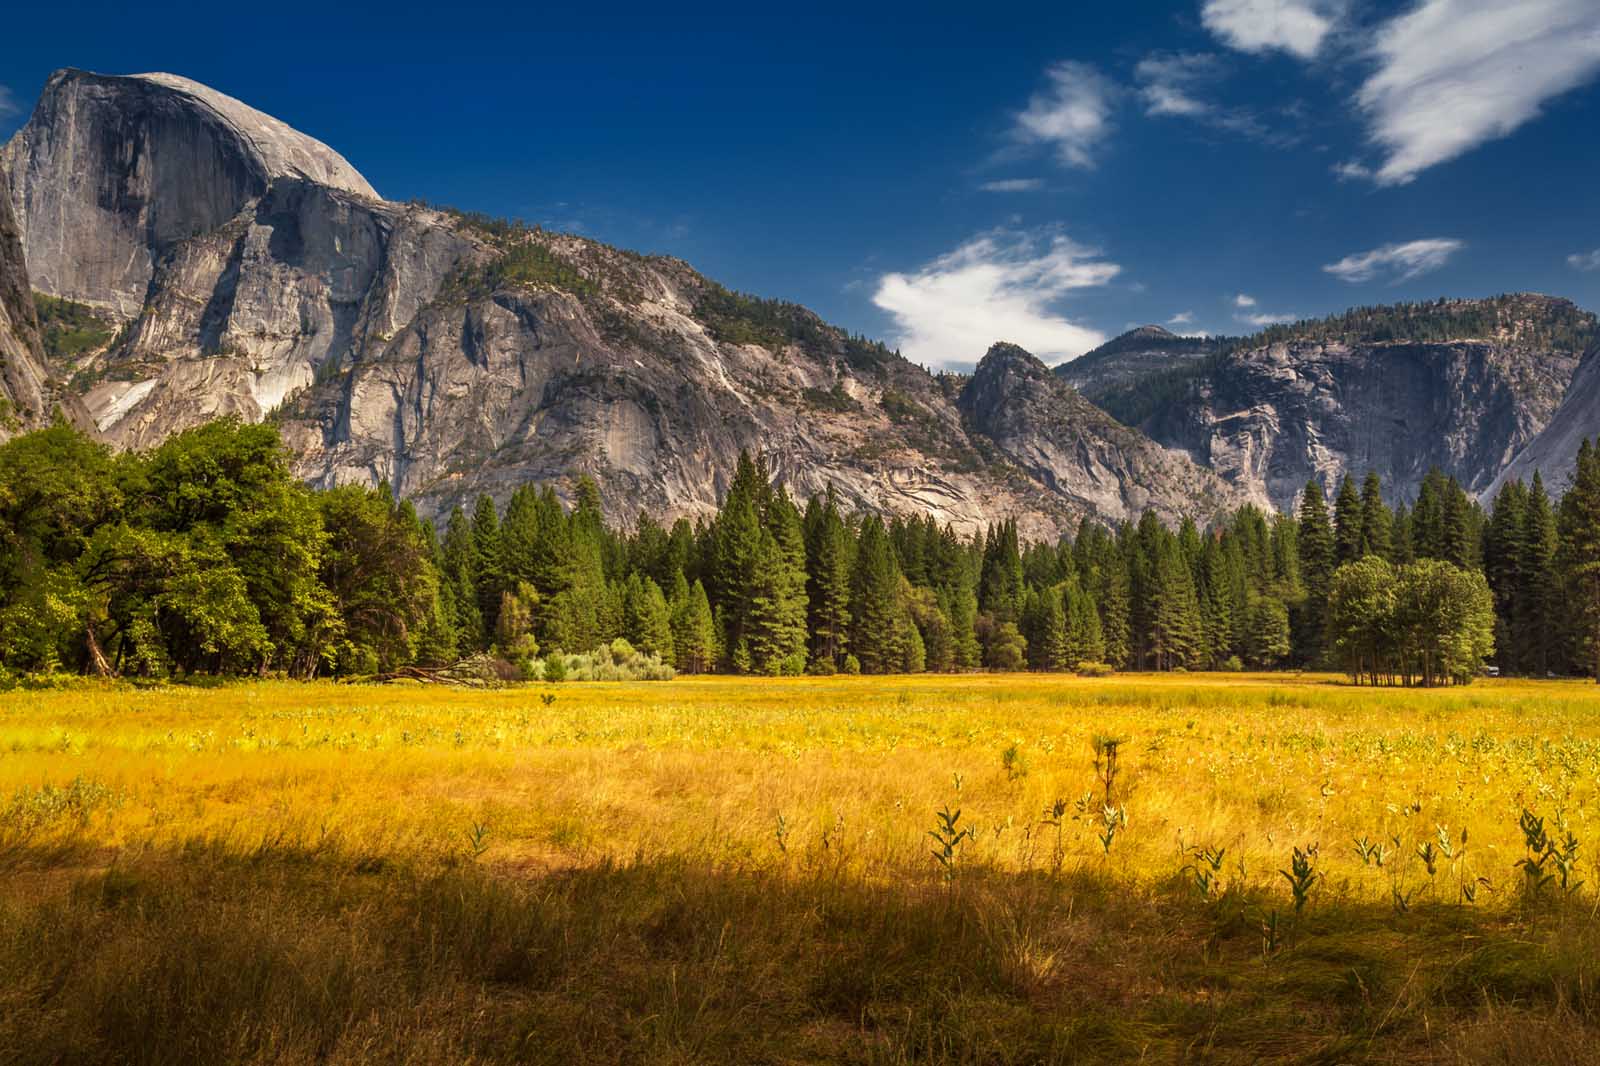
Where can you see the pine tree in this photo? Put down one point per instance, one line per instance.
(1427, 517)
(1085, 639)
(736, 535)
(1460, 523)
(777, 612)
(1349, 532)
(489, 577)
(647, 620)
(694, 629)
(1176, 632)
(933, 625)
(1047, 638)
(1538, 624)
(1317, 548)
(960, 605)
(1578, 526)
(1504, 553)
(1113, 598)
(1377, 524)
(458, 576)
(1001, 584)
(875, 630)
(828, 559)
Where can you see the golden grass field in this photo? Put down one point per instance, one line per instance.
(741, 871)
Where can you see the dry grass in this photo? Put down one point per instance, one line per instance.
(733, 870)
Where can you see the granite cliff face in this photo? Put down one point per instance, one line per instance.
(112, 173)
(239, 256)
(1553, 453)
(253, 272)
(22, 376)
(1270, 416)
(1063, 441)
(650, 378)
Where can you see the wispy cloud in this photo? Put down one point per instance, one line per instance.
(1170, 82)
(1182, 318)
(1071, 115)
(1265, 318)
(1244, 299)
(999, 286)
(1453, 74)
(9, 107)
(1584, 260)
(1013, 185)
(1298, 27)
(1178, 85)
(1397, 262)
(1352, 170)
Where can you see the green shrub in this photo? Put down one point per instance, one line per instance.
(1089, 669)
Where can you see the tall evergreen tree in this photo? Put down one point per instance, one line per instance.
(1317, 554)
(1377, 523)
(828, 561)
(1349, 531)
(1578, 527)
(876, 634)
(1537, 626)
(777, 594)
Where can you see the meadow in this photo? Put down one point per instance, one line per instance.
(950, 869)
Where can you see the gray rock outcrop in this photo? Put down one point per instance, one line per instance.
(1272, 417)
(112, 173)
(22, 375)
(1553, 453)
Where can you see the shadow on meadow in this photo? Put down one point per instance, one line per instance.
(288, 954)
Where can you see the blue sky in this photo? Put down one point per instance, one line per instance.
(943, 176)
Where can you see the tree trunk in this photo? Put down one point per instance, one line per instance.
(97, 658)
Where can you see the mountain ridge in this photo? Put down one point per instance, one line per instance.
(450, 355)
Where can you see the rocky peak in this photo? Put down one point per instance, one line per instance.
(1004, 357)
(1063, 441)
(111, 173)
(279, 150)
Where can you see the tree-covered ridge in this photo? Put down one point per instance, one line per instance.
(204, 557)
(1134, 403)
(527, 255)
(69, 330)
(739, 318)
(1526, 319)
(1150, 338)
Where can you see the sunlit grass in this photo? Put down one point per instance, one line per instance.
(798, 814)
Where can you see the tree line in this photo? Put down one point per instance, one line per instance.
(204, 556)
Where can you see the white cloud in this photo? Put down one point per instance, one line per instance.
(1401, 262)
(1169, 82)
(1072, 115)
(1175, 84)
(1352, 170)
(1294, 26)
(8, 104)
(1244, 300)
(1182, 318)
(1453, 74)
(1013, 185)
(1265, 318)
(1584, 260)
(999, 286)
